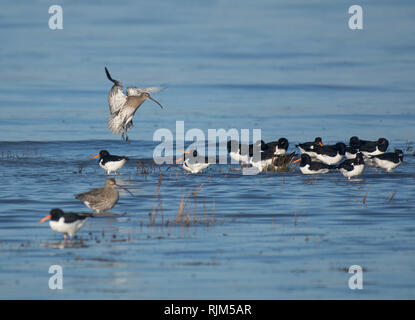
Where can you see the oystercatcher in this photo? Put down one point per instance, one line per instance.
(264, 160)
(110, 162)
(123, 107)
(67, 223)
(307, 166)
(244, 153)
(194, 163)
(389, 160)
(352, 167)
(330, 154)
(102, 199)
(369, 148)
(351, 152)
(279, 147)
(308, 147)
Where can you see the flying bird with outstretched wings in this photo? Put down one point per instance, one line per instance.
(123, 106)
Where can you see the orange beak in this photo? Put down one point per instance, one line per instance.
(95, 156)
(298, 160)
(45, 218)
(320, 143)
(181, 158)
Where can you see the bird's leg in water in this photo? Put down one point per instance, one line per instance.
(127, 139)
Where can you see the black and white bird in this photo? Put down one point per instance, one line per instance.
(351, 152)
(244, 153)
(389, 160)
(264, 159)
(194, 163)
(369, 148)
(67, 223)
(123, 107)
(279, 147)
(307, 166)
(330, 154)
(110, 162)
(352, 167)
(308, 147)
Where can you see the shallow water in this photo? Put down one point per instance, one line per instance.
(290, 68)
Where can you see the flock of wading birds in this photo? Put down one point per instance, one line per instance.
(316, 158)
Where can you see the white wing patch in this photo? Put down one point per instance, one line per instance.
(134, 91)
(116, 99)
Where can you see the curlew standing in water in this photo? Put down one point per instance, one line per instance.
(123, 107)
(101, 199)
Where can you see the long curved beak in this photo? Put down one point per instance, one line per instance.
(45, 218)
(117, 185)
(95, 156)
(298, 160)
(152, 99)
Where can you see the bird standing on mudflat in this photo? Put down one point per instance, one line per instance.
(67, 223)
(110, 162)
(101, 199)
(123, 107)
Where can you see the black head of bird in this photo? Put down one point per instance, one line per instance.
(341, 148)
(54, 215)
(359, 158)
(101, 154)
(399, 153)
(318, 141)
(305, 159)
(354, 142)
(283, 143)
(383, 144)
